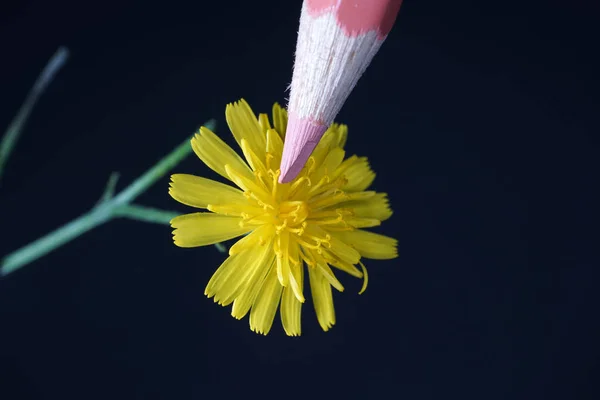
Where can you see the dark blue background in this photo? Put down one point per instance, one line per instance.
(480, 120)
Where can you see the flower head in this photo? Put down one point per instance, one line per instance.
(316, 220)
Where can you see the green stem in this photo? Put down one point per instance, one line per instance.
(9, 140)
(146, 214)
(108, 207)
(159, 170)
(53, 240)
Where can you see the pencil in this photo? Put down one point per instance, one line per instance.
(337, 40)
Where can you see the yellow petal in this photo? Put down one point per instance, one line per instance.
(216, 154)
(233, 277)
(344, 266)
(362, 222)
(250, 186)
(343, 251)
(329, 165)
(262, 234)
(200, 192)
(274, 149)
(255, 163)
(376, 207)
(280, 119)
(201, 229)
(333, 160)
(342, 133)
(263, 121)
(337, 247)
(370, 244)
(322, 299)
(334, 201)
(236, 209)
(291, 309)
(283, 260)
(328, 142)
(244, 300)
(244, 125)
(330, 276)
(296, 267)
(231, 265)
(358, 172)
(265, 306)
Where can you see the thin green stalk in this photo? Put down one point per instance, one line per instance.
(9, 140)
(109, 206)
(159, 170)
(44, 245)
(145, 214)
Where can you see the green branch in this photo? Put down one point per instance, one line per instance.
(9, 140)
(110, 206)
(145, 214)
(53, 240)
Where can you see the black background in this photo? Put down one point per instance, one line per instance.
(480, 120)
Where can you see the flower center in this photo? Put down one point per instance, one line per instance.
(292, 213)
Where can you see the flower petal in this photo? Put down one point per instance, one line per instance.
(370, 244)
(232, 265)
(256, 277)
(291, 309)
(237, 275)
(296, 267)
(358, 172)
(377, 207)
(244, 125)
(201, 229)
(262, 234)
(328, 142)
(280, 118)
(343, 251)
(328, 201)
(263, 121)
(322, 299)
(330, 276)
(215, 153)
(344, 266)
(265, 306)
(342, 135)
(274, 149)
(283, 259)
(329, 164)
(255, 163)
(199, 192)
(249, 185)
(362, 222)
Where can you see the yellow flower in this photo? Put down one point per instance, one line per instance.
(316, 220)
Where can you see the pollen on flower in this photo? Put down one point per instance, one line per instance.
(310, 224)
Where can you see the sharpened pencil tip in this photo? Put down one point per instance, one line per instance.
(289, 174)
(302, 136)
